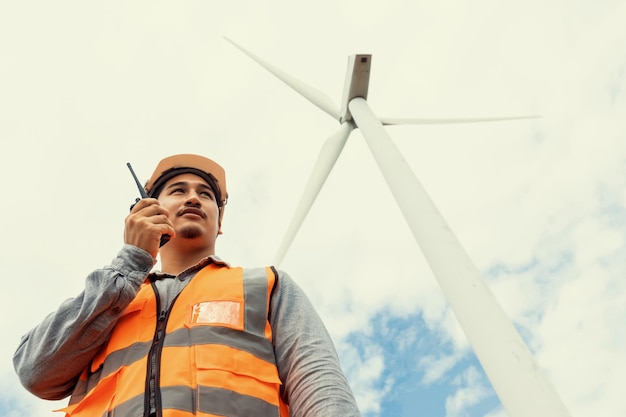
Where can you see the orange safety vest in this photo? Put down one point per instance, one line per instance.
(215, 358)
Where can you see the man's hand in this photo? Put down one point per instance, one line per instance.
(146, 223)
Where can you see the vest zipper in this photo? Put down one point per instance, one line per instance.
(153, 373)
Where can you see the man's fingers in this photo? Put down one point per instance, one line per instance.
(143, 203)
(149, 207)
(145, 225)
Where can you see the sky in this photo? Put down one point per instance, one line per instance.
(538, 204)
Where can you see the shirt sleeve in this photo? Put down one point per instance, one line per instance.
(314, 384)
(51, 356)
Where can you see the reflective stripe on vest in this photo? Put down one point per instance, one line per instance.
(216, 358)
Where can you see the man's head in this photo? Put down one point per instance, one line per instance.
(204, 168)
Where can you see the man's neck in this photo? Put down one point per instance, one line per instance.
(175, 260)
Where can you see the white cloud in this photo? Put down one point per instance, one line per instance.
(497, 413)
(471, 390)
(582, 341)
(16, 402)
(436, 367)
(364, 368)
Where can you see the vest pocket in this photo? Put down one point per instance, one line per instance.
(117, 393)
(238, 371)
(135, 325)
(96, 402)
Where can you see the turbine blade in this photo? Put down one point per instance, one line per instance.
(512, 370)
(411, 121)
(324, 164)
(315, 96)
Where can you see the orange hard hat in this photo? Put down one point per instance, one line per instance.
(205, 168)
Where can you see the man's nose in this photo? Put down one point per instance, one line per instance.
(193, 199)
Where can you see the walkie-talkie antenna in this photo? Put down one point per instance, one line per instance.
(142, 191)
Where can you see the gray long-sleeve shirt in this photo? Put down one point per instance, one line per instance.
(51, 356)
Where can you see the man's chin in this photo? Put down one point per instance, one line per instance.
(190, 232)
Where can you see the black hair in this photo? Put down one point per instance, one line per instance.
(173, 172)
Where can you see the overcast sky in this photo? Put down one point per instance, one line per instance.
(539, 205)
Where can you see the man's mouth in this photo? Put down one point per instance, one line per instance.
(192, 210)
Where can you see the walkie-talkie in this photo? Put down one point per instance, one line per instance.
(164, 238)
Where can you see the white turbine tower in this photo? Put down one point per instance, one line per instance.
(521, 386)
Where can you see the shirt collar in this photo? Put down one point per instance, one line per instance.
(203, 262)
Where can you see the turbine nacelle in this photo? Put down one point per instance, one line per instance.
(356, 83)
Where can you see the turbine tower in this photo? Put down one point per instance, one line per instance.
(521, 386)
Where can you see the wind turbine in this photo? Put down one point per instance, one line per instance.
(521, 386)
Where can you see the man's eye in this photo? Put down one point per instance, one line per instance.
(177, 190)
(206, 194)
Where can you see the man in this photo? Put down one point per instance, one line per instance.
(198, 338)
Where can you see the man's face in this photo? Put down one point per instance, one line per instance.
(192, 206)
